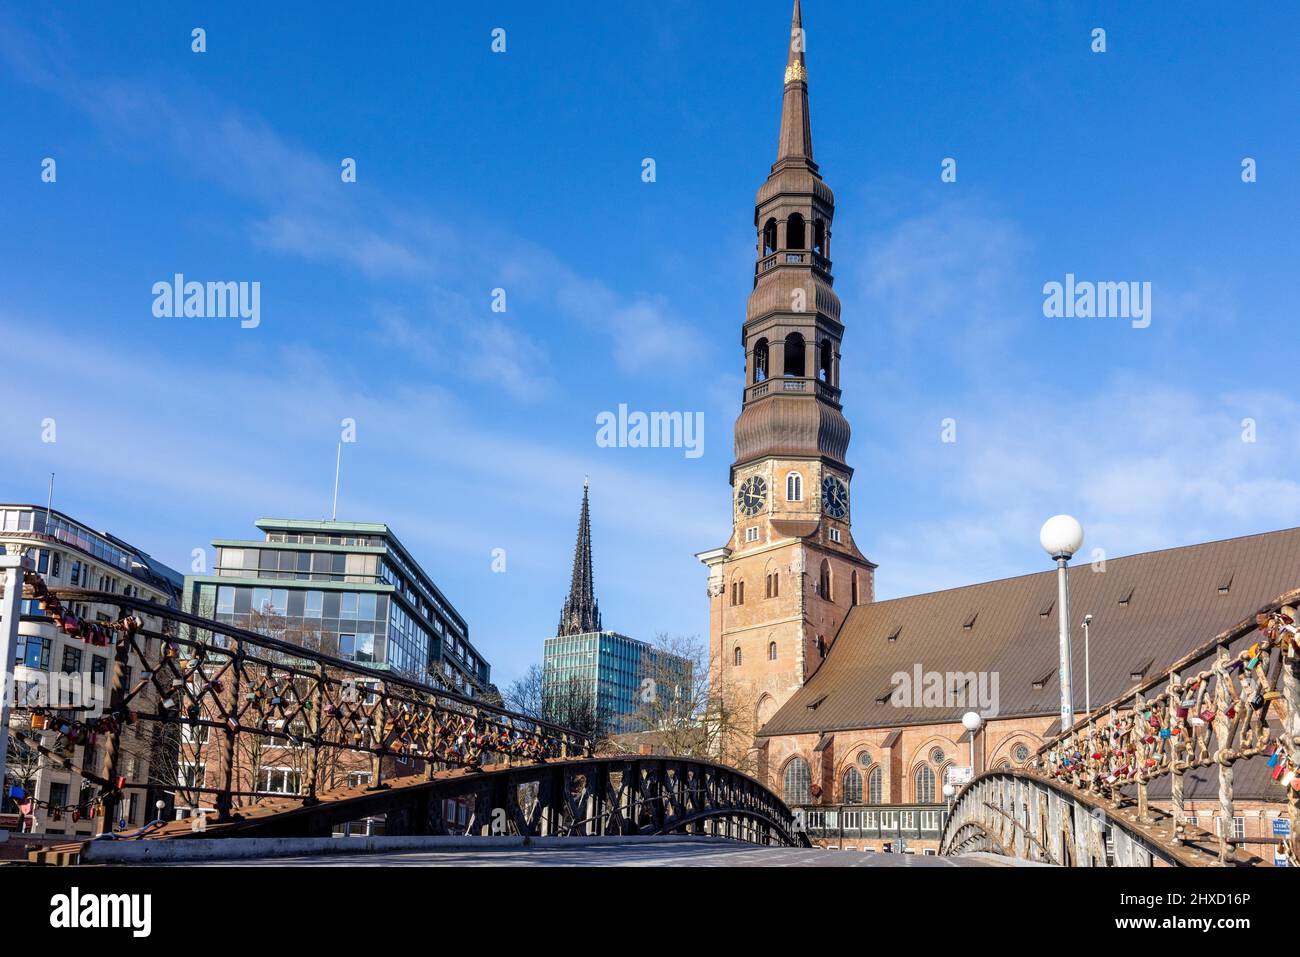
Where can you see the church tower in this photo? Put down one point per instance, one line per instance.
(781, 587)
(581, 614)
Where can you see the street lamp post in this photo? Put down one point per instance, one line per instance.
(11, 569)
(1087, 668)
(1061, 536)
(972, 722)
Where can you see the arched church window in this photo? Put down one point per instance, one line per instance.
(825, 356)
(769, 237)
(824, 581)
(819, 237)
(760, 360)
(857, 598)
(736, 657)
(794, 232)
(924, 784)
(821, 647)
(794, 487)
(794, 355)
(875, 785)
(852, 786)
(771, 651)
(798, 782)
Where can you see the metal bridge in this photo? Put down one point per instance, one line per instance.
(235, 701)
(1232, 704)
(251, 700)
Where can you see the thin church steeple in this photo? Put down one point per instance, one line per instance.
(794, 147)
(581, 613)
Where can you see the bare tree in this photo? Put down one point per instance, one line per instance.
(684, 708)
(524, 694)
(572, 704)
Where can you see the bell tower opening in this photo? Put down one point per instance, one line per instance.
(794, 232)
(794, 356)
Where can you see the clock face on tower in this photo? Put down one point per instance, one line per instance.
(835, 497)
(752, 495)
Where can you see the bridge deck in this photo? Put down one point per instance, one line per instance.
(663, 851)
(293, 817)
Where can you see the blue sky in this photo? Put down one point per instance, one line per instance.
(522, 171)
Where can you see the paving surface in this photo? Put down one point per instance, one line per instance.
(666, 854)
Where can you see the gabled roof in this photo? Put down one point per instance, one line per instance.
(1152, 607)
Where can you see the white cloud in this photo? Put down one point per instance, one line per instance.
(949, 274)
(1143, 466)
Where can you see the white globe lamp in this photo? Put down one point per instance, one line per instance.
(1061, 536)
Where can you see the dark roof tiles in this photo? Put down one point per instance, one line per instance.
(1175, 603)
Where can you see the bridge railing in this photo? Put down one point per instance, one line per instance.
(1233, 699)
(237, 703)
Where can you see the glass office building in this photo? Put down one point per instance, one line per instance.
(346, 588)
(611, 669)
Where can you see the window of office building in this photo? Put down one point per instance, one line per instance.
(32, 652)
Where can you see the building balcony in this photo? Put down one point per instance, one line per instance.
(793, 384)
(794, 257)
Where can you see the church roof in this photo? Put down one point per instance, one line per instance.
(1148, 611)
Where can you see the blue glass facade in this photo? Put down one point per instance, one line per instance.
(612, 669)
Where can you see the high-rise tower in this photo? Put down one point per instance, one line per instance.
(782, 585)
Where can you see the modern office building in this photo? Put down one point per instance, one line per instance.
(607, 668)
(612, 670)
(52, 669)
(349, 589)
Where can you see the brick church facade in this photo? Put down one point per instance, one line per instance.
(797, 639)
